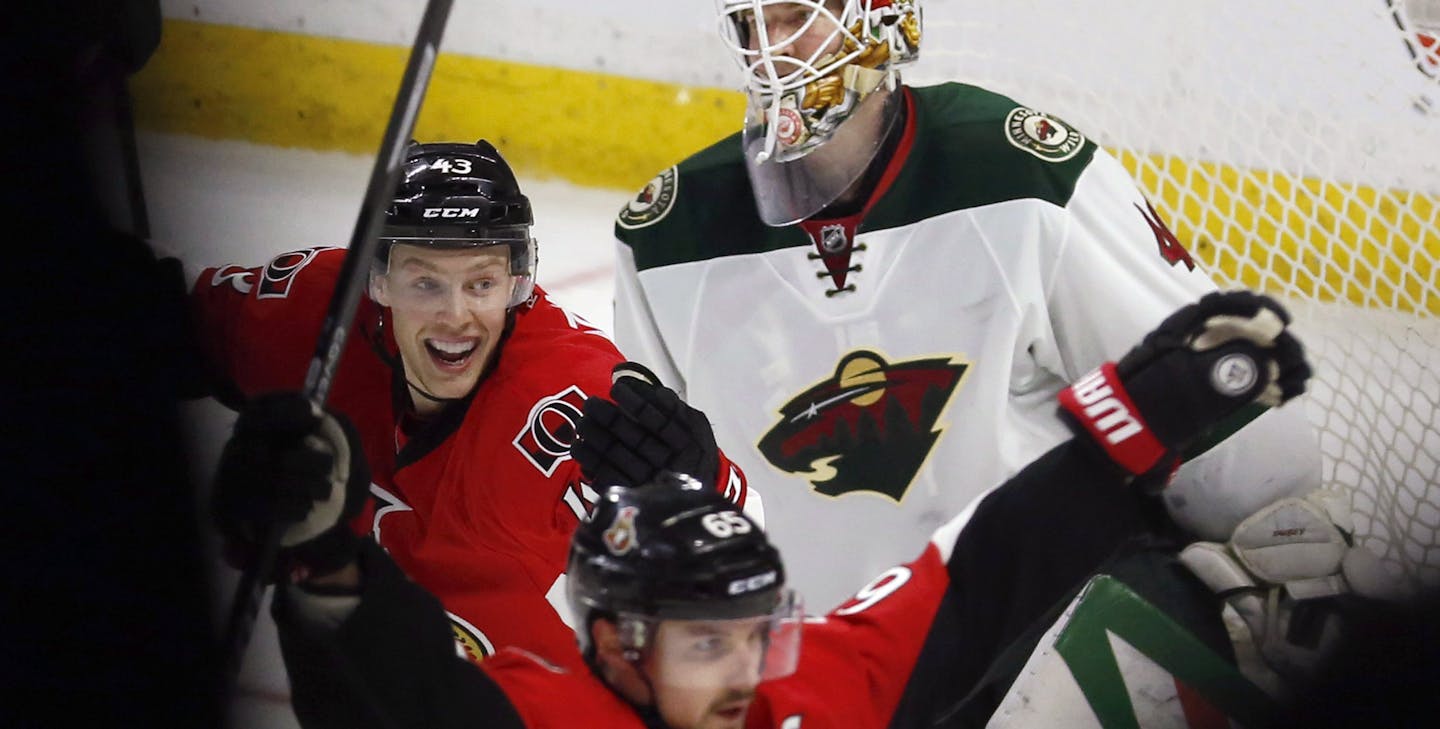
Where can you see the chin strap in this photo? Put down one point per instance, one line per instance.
(649, 713)
(432, 398)
(377, 341)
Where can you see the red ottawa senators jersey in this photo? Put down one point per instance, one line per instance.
(913, 647)
(477, 506)
(854, 665)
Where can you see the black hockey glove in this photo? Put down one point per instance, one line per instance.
(646, 429)
(1203, 363)
(290, 464)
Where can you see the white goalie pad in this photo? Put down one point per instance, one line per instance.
(1115, 660)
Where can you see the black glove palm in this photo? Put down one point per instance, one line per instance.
(288, 463)
(1200, 365)
(646, 430)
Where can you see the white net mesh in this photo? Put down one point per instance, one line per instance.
(1294, 146)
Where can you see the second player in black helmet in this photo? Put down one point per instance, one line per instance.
(681, 602)
(463, 380)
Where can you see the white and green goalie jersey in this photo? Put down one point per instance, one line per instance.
(875, 374)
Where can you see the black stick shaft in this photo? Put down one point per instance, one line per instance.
(354, 271)
(341, 314)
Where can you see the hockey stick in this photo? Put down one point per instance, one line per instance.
(341, 314)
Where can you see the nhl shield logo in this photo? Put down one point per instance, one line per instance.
(1042, 135)
(832, 238)
(869, 427)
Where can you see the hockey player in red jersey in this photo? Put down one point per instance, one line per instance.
(463, 381)
(685, 617)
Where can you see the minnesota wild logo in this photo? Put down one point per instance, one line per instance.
(869, 427)
(652, 203)
(1042, 135)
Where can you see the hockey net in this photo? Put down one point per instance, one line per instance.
(1295, 148)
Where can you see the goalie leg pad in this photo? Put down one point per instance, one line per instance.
(1291, 540)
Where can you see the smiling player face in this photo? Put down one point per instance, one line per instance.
(448, 312)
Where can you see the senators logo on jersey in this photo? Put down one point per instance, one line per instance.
(469, 640)
(867, 428)
(274, 279)
(545, 439)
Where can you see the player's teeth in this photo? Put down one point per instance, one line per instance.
(453, 347)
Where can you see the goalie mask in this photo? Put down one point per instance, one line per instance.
(674, 556)
(822, 93)
(461, 196)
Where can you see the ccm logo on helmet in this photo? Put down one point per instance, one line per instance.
(452, 212)
(751, 584)
(1101, 407)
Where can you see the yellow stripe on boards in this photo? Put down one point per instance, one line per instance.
(293, 90)
(1280, 233)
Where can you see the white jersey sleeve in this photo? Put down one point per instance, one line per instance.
(636, 333)
(1114, 277)
(1119, 272)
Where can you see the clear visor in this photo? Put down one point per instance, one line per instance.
(796, 170)
(430, 281)
(736, 653)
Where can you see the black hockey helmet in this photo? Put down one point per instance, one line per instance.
(453, 195)
(672, 549)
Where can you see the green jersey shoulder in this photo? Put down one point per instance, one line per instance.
(970, 147)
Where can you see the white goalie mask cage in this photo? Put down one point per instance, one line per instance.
(821, 92)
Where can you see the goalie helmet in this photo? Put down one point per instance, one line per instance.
(672, 549)
(821, 92)
(453, 195)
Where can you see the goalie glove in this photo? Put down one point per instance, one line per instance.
(645, 430)
(1279, 572)
(1203, 363)
(291, 463)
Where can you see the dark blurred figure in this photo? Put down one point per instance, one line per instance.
(104, 618)
(1386, 673)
